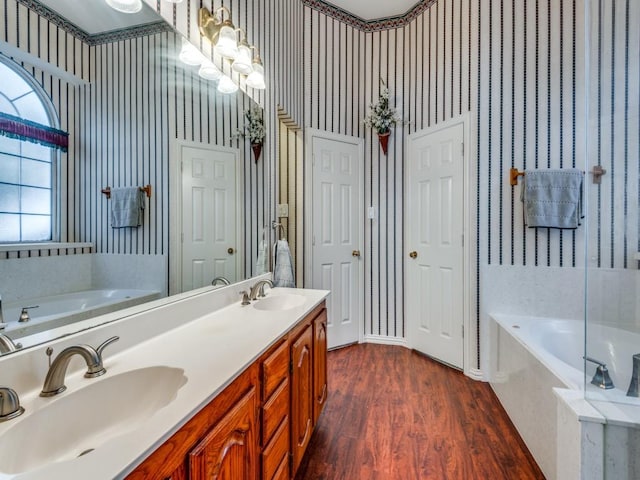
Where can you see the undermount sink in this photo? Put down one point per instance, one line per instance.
(80, 421)
(283, 301)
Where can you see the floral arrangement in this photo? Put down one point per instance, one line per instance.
(381, 116)
(254, 127)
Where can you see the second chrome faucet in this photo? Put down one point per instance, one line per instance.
(54, 381)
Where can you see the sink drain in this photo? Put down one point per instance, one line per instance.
(88, 450)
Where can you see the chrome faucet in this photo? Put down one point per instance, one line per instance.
(9, 404)
(635, 377)
(258, 289)
(221, 280)
(601, 378)
(54, 381)
(7, 345)
(24, 314)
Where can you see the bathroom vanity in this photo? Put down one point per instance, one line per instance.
(261, 424)
(197, 387)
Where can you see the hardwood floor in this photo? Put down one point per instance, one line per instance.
(394, 414)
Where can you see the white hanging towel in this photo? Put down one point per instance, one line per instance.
(283, 265)
(261, 262)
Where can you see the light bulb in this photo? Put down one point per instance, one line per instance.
(226, 85)
(227, 44)
(242, 63)
(125, 6)
(256, 78)
(209, 71)
(190, 54)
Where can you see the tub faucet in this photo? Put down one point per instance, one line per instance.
(258, 289)
(24, 314)
(9, 404)
(7, 345)
(635, 377)
(54, 381)
(601, 378)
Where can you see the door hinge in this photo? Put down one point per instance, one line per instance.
(182, 237)
(313, 240)
(462, 331)
(462, 239)
(462, 149)
(291, 367)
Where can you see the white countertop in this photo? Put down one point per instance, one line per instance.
(212, 350)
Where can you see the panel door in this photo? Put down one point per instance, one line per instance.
(209, 216)
(337, 236)
(434, 233)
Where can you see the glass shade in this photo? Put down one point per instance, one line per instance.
(125, 6)
(242, 63)
(226, 85)
(256, 78)
(190, 54)
(174, 1)
(227, 44)
(209, 71)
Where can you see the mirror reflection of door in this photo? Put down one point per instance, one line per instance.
(209, 215)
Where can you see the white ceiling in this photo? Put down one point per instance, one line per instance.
(95, 16)
(375, 9)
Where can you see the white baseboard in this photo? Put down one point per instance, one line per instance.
(475, 374)
(382, 340)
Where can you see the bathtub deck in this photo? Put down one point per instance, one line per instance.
(395, 415)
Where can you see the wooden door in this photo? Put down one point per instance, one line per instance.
(230, 450)
(435, 256)
(301, 394)
(319, 364)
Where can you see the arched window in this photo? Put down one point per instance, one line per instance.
(28, 157)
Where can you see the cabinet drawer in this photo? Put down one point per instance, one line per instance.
(276, 451)
(275, 369)
(276, 408)
(283, 470)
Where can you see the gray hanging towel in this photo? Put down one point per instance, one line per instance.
(127, 205)
(552, 198)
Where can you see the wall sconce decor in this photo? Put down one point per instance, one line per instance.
(224, 37)
(125, 6)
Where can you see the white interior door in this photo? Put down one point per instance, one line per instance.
(209, 215)
(434, 239)
(337, 234)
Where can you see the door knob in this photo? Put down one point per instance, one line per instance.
(355, 253)
(230, 251)
(413, 254)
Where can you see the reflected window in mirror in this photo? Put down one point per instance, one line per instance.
(28, 163)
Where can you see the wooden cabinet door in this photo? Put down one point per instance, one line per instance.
(230, 450)
(319, 364)
(301, 394)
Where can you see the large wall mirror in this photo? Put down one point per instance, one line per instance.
(136, 116)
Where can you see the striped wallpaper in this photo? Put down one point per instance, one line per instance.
(124, 113)
(519, 68)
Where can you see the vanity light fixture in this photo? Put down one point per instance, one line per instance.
(125, 6)
(209, 71)
(256, 77)
(221, 33)
(243, 64)
(189, 54)
(227, 44)
(226, 85)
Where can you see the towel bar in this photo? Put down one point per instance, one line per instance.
(146, 189)
(514, 173)
(597, 173)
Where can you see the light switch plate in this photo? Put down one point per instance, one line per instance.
(283, 210)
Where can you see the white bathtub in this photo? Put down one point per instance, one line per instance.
(59, 310)
(531, 356)
(559, 345)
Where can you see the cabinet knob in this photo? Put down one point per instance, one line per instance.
(355, 253)
(413, 254)
(230, 251)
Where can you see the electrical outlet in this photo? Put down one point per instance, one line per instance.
(283, 210)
